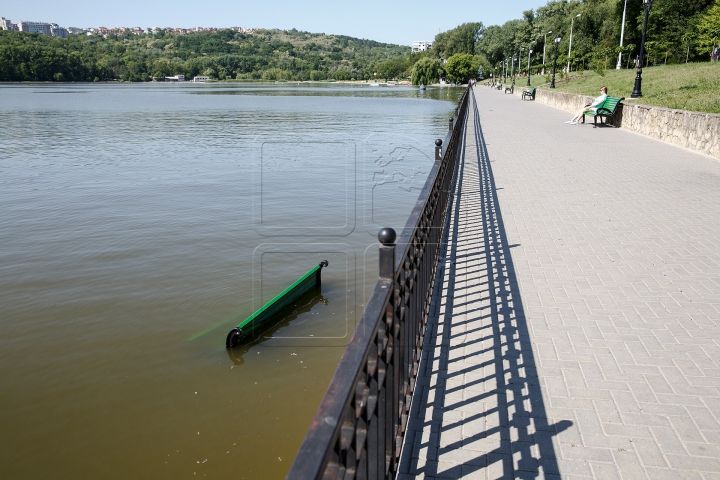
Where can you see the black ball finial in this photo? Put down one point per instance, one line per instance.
(387, 236)
(438, 142)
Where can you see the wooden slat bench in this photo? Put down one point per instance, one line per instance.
(606, 109)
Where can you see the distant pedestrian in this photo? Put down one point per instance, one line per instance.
(590, 108)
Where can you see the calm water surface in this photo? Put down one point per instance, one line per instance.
(139, 223)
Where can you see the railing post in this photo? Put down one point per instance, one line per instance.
(438, 150)
(451, 123)
(387, 253)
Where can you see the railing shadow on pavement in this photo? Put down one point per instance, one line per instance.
(481, 396)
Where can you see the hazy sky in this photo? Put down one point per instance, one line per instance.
(389, 21)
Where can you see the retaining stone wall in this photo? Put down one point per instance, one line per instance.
(693, 130)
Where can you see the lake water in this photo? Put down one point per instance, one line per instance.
(139, 223)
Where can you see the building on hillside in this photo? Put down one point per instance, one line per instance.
(35, 27)
(175, 78)
(6, 24)
(421, 46)
(200, 79)
(58, 31)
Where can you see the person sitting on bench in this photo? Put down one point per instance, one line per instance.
(592, 107)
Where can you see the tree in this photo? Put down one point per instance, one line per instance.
(461, 39)
(461, 67)
(709, 29)
(392, 68)
(426, 71)
(669, 20)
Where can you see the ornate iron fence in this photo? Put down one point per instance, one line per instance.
(359, 427)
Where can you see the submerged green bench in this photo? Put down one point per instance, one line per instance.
(529, 93)
(606, 109)
(269, 314)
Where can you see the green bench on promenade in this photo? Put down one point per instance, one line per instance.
(605, 110)
(499, 87)
(510, 89)
(529, 94)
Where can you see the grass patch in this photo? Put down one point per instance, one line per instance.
(695, 86)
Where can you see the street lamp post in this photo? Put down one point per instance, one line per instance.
(570, 47)
(557, 42)
(622, 35)
(528, 70)
(637, 89)
(512, 69)
(544, 42)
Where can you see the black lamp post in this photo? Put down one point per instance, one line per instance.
(557, 42)
(637, 89)
(528, 70)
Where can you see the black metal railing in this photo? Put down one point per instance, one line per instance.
(359, 427)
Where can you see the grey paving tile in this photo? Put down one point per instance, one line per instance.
(611, 294)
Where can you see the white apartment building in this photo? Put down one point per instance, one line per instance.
(6, 24)
(58, 31)
(421, 46)
(35, 27)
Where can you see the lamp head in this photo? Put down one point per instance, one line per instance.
(576, 16)
(549, 32)
(558, 38)
(531, 50)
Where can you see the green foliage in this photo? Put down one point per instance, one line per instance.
(426, 71)
(461, 39)
(461, 67)
(394, 68)
(672, 26)
(708, 29)
(223, 55)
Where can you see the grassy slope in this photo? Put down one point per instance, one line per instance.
(695, 86)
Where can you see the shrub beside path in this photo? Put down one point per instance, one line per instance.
(575, 324)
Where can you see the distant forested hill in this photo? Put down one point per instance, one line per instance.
(225, 54)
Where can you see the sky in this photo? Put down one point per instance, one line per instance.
(389, 21)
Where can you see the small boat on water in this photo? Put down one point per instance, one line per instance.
(268, 315)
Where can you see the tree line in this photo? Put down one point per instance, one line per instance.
(678, 31)
(221, 55)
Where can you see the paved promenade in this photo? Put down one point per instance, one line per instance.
(575, 329)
